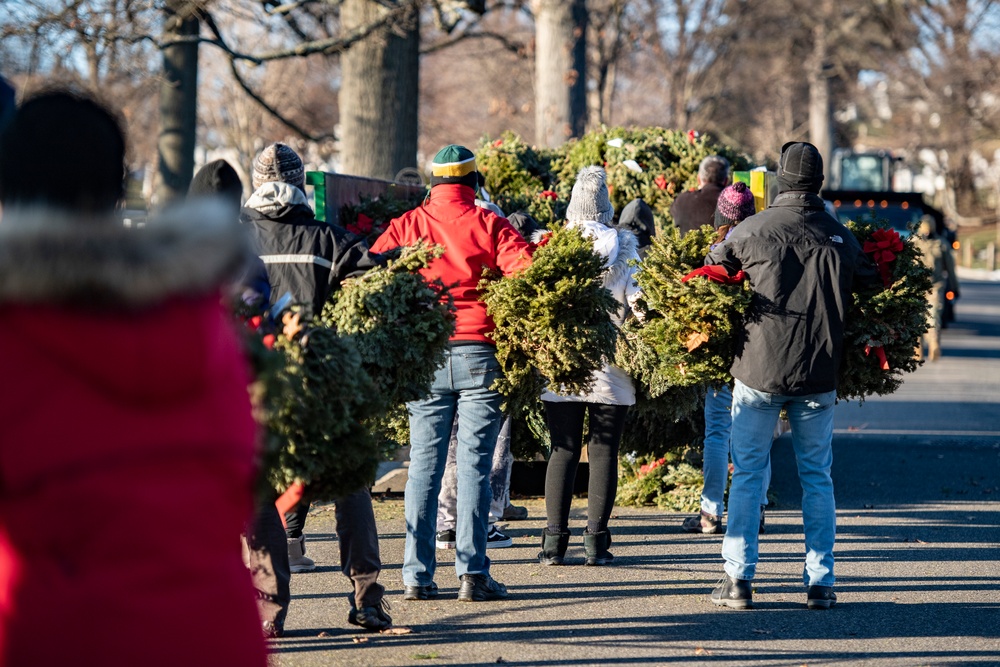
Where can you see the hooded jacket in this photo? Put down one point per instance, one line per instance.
(612, 385)
(124, 417)
(802, 265)
(305, 257)
(637, 217)
(474, 240)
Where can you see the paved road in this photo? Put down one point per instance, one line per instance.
(918, 557)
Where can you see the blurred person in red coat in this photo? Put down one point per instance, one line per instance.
(124, 415)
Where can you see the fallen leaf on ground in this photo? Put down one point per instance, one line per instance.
(702, 651)
(360, 640)
(323, 634)
(396, 631)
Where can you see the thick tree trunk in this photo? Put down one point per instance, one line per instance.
(560, 71)
(379, 93)
(820, 129)
(178, 103)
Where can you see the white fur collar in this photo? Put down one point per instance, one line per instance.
(54, 257)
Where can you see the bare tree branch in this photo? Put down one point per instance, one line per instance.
(514, 46)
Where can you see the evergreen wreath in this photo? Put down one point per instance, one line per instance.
(889, 315)
(318, 416)
(400, 323)
(553, 320)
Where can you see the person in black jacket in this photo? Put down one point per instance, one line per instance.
(693, 209)
(802, 265)
(306, 260)
(264, 544)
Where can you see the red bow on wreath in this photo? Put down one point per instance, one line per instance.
(883, 247)
(717, 274)
(883, 363)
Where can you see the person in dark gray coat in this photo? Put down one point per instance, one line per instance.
(802, 265)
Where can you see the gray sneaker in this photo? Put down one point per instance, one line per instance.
(733, 593)
(514, 513)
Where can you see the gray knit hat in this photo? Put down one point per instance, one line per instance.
(279, 162)
(589, 200)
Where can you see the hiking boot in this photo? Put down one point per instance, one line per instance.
(820, 597)
(375, 617)
(427, 592)
(733, 593)
(445, 539)
(497, 540)
(514, 513)
(595, 545)
(760, 529)
(481, 587)
(703, 523)
(297, 561)
(553, 547)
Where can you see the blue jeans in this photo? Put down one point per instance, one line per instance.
(755, 414)
(715, 454)
(462, 387)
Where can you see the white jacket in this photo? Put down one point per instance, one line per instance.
(612, 386)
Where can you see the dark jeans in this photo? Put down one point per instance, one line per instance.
(358, 537)
(268, 553)
(565, 422)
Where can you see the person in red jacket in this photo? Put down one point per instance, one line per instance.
(474, 240)
(124, 414)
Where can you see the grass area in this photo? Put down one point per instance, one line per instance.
(974, 247)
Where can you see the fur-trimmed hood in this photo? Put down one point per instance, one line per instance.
(52, 257)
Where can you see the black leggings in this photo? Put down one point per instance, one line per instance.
(565, 422)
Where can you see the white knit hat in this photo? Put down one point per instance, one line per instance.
(589, 200)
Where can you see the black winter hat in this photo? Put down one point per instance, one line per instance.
(800, 167)
(637, 217)
(218, 179)
(524, 224)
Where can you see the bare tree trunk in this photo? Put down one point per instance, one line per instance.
(379, 93)
(560, 71)
(178, 103)
(820, 129)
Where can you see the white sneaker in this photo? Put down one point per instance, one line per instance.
(297, 561)
(497, 540)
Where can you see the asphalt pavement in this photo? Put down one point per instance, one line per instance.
(918, 556)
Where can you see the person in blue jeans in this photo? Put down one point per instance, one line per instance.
(735, 204)
(802, 265)
(474, 240)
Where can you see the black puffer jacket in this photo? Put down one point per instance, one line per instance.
(305, 257)
(802, 264)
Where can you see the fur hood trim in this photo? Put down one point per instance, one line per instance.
(628, 249)
(51, 256)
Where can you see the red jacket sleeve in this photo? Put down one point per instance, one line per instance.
(387, 241)
(513, 252)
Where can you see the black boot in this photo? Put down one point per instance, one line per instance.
(553, 547)
(596, 546)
